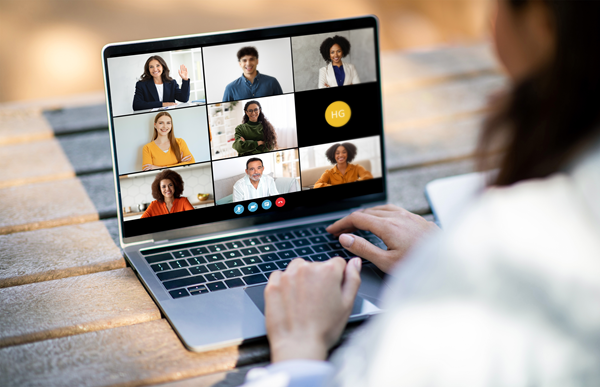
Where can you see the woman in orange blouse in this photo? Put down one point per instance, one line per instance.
(165, 150)
(343, 172)
(167, 189)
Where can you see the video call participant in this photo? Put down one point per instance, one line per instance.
(157, 89)
(251, 84)
(256, 134)
(254, 184)
(336, 73)
(165, 150)
(167, 189)
(343, 172)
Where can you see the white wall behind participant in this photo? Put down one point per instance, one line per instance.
(222, 67)
(135, 131)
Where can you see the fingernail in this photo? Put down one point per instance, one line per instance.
(346, 240)
(357, 262)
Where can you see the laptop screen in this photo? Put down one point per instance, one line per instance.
(257, 125)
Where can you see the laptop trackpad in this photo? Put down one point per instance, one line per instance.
(361, 306)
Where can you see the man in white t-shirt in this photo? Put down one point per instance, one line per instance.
(254, 184)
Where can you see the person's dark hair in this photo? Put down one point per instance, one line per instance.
(170, 175)
(350, 148)
(252, 160)
(544, 121)
(249, 50)
(146, 76)
(329, 42)
(268, 130)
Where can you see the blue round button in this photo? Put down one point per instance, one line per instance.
(252, 207)
(238, 209)
(266, 204)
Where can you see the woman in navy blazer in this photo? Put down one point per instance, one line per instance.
(157, 89)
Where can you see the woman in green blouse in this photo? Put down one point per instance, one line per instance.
(256, 134)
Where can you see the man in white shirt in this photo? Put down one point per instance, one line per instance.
(254, 184)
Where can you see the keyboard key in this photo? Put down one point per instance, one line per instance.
(181, 254)
(283, 264)
(267, 274)
(173, 274)
(335, 245)
(159, 257)
(179, 283)
(196, 261)
(302, 233)
(232, 254)
(318, 230)
(179, 264)
(285, 236)
(232, 273)
(318, 239)
(249, 251)
(216, 286)
(198, 289)
(216, 266)
(252, 242)
(284, 245)
(301, 242)
(234, 283)
(199, 250)
(234, 263)
(287, 254)
(319, 257)
(179, 293)
(321, 248)
(269, 239)
(250, 270)
(214, 276)
(160, 267)
(198, 270)
(252, 260)
(214, 257)
(234, 245)
(217, 248)
(267, 248)
(270, 257)
(255, 279)
(337, 253)
(268, 266)
(304, 251)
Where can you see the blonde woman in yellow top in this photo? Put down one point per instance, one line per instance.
(165, 150)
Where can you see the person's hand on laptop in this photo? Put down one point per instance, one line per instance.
(308, 305)
(399, 229)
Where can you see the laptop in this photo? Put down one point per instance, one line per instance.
(226, 149)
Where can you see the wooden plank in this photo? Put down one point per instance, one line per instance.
(72, 306)
(101, 190)
(77, 119)
(43, 205)
(441, 103)
(60, 252)
(33, 162)
(407, 70)
(133, 355)
(88, 152)
(231, 378)
(23, 125)
(406, 187)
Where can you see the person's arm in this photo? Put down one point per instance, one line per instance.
(228, 94)
(276, 87)
(241, 145)
(183, 94)
(187, 206)
(139, 103)
(323, 78)
(355, 79)
(324, 180)
(150, 210)
(186, 155)
(147, 158)
(362, 173)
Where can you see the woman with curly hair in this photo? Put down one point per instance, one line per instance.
(335, 72)
(256, 134)
(167, 189)
(343, 172)
(157, 89)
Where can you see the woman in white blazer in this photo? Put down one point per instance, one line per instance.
(336, 72)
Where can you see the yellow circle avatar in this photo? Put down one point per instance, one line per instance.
(338, 114)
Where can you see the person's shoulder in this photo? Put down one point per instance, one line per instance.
(180, 141)
(268, 78)
(149, 146)
(183, 199)
(240, 181)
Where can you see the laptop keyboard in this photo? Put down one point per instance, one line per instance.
(201, 267)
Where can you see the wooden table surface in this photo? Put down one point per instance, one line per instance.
(73, 313)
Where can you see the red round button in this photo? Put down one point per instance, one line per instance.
(280, 202)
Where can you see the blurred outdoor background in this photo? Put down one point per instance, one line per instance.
(51, 48)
